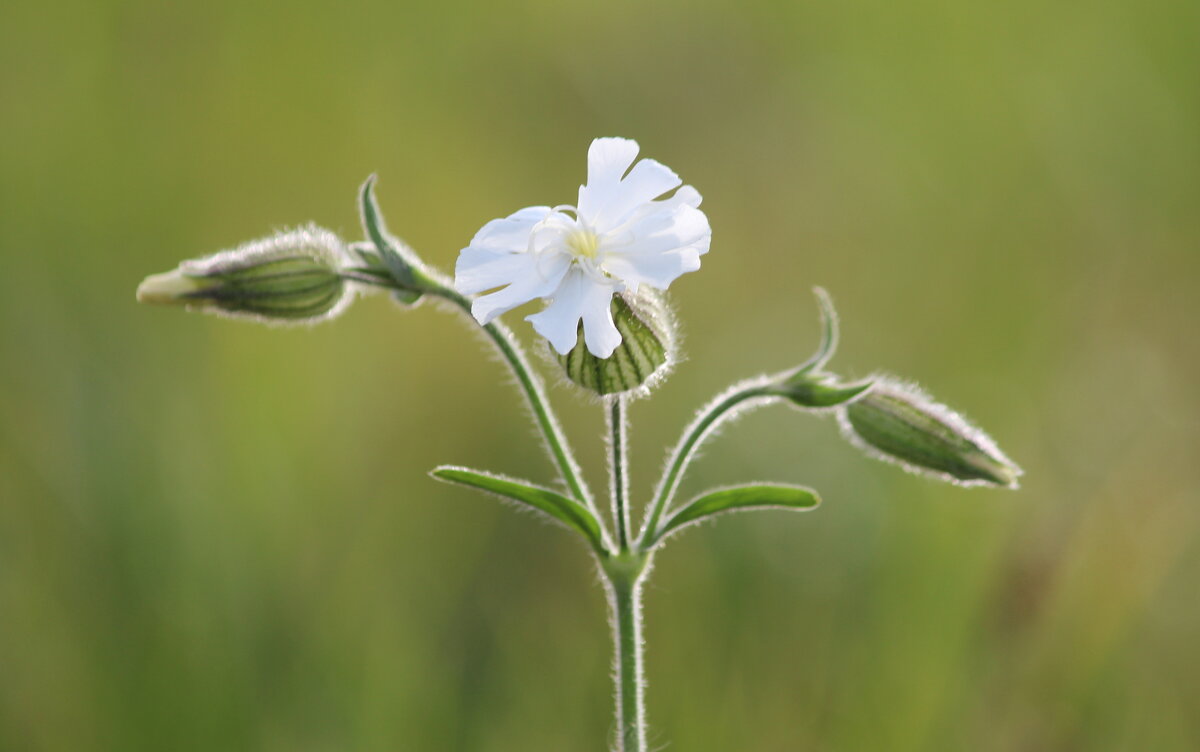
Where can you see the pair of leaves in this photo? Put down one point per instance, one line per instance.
(577, 517)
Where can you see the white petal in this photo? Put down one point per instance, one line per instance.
(658, 232)
(579, 296)
(609, 158)
(685, 195)
(480, 269)
(545, 274)
(645, 182)
(659, 247)
(498, 253)
(599, 332)
(512, 232)
(654, 269)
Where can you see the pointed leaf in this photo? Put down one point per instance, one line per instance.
(739, 498)
(829, 333)
(391, 257)
(818, 390)
(567, 511)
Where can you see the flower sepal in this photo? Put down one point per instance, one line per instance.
(641, 359)
(291, 277)
(899, 423)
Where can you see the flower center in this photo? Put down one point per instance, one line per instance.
(583, 243)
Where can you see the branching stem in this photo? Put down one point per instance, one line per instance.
(693, 436)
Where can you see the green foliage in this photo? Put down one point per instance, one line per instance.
(738, 499)
(408, 283)
(558, 507)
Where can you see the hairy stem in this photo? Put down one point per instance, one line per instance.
(623, 583)
(531, 386)
(693, 436)
(618, 466)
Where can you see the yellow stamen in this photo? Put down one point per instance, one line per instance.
(583, 243)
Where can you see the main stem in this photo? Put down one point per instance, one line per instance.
(623, 582)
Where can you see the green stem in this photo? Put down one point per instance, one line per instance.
(535, 393)
(623, 583)
(618, 464)
(695, 434)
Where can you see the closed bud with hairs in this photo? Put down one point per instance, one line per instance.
(290, 278)
(644, 356)
(899, 423)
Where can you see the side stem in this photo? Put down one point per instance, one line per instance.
(535, 394)
(704, 424)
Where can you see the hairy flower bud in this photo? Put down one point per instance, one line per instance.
(643, 357)
(292, 277)
(899, 423)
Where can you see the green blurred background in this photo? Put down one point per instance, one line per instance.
(219, 536)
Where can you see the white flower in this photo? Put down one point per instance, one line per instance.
(619, 237)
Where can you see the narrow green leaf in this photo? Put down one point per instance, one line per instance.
(739, 498)
(829, 333)
(818, 390)
(400, 269)
(567, 511)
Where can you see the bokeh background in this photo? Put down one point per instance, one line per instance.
(215, 535)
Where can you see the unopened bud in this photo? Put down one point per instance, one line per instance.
(899, 423)
(644, 356)
(292, 277)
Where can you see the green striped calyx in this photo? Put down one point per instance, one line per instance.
(291, 277)
(643, 357)
(899, 423)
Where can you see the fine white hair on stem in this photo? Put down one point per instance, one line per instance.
(707, 421)
(617, 601)
(616, 442)
(547, 426)
(493, 353)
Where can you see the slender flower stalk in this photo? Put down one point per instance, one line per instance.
(535, 394)
(618, 461)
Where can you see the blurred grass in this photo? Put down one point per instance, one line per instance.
(217, 536)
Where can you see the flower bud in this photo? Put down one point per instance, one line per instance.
(292, 277)
(899, 423)
(644, 356)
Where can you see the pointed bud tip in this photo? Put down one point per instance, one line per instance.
(168, 288)
(292, 277)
